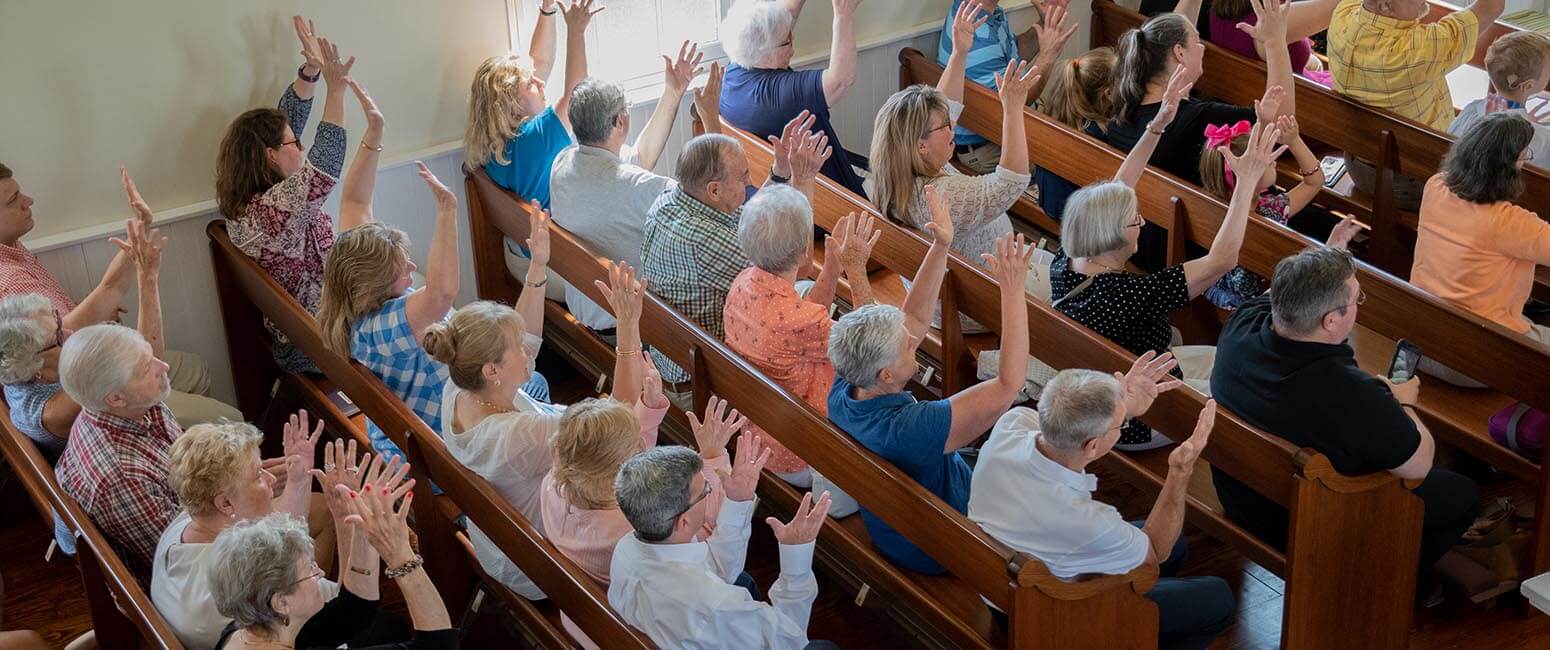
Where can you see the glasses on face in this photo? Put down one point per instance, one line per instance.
(296, 142)
(934, 129)
(59, 333)
(1361, 297)
(1135, 222)
(703, 493)
(314, 574)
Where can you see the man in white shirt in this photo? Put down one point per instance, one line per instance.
(1030, 491)
(679, 590)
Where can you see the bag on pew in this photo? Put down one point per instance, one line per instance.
(1038, 286)
(1521, 428)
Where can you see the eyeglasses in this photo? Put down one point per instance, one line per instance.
(1136, 222)
(704, 493)
(1361, 297)
(296, 142)
(934, 129)
(316, 573)
(59, 333)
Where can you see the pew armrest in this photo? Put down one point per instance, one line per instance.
(1032, 573)
(1316, 466)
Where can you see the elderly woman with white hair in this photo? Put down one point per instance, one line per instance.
(761, 91)
(780, 324)
(264, 578)
(873, 352)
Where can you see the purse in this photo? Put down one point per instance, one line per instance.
(1521, 428)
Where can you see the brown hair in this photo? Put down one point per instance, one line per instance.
(1515, 57)
(492, 108)
(242, 168)
(1082, 90)
(1231, 9)
(1213, 168)
(5, 172)
(1143, 54)
(472, 337)
(595, 437)
(357, 277)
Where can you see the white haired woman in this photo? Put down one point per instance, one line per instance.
(761, 92)
(264, 578)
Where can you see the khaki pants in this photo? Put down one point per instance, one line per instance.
(189, 400)
(517, 266)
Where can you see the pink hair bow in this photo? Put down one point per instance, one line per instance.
(1217, 136)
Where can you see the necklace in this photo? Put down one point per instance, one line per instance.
(1106, 268)
(492, 407)
(265, 642)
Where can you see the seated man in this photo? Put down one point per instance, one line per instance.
(1032, 493)
(1380, 54)
(873, 352)
(116, 463)
(601, 189)
(679, 589)
(1519, 65)
(1283, 364)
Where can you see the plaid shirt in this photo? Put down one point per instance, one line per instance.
(385, 344)
(117, 469)
(1399, 65)
(21, 272)
(689, 258)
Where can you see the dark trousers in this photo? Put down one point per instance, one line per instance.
(1191, 611)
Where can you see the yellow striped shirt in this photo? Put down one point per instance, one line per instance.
(1399, 65)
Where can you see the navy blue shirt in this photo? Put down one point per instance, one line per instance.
(910, 434)
(1054, 191)
(761, 101)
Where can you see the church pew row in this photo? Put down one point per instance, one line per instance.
(1390, 142)
(121, 611)
(465, 493)
(1331, 515)
(1508, 362)
(1040, 607)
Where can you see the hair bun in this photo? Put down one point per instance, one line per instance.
(439, 342)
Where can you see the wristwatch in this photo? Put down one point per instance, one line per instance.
(300, 74)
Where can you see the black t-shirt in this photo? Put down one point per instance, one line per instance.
(1178, 152)
(1313, 395)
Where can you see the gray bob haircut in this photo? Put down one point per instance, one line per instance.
(593, 105)
(1077, 406)
(652, 489)
(98, 361)
(1095, 219)
(865, 341)
(254, 561)
(22, 337)
(1309, 285)
(753, 29)
(703, 160)
(776, 228)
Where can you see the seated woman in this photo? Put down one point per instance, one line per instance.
(1081, 96)
(1303, 19)
(273, 198)
(1474, 246)
(220, 481)
(781, 325)
(761, 92)
(263, 577)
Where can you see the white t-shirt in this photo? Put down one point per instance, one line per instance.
(1044, 509)
(1474, 111)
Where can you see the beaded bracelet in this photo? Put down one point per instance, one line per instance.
(404, 569)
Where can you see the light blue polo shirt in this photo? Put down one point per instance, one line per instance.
(993, 47)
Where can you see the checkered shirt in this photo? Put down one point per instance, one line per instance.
(1399, 65)
(385, 344)
(689, 259)
(21, 272)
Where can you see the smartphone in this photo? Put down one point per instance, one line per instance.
(1407, 356)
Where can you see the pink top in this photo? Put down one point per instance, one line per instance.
(1225, 33)
(787, 338)
(21, 273)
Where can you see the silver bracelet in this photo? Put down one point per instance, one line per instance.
(404, 569)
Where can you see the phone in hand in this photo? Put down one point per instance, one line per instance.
(1407, 356)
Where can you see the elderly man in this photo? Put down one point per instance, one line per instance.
(691, 254)
(1032, 492)
(763, 92)
(601, 189)
(873, 352)
(1283, 364)
(679, 589)
(1381, 54)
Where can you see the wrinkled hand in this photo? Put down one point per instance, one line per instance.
(1183, 458)
(334, 70)
(677, 73)
(374, 119)
(941, 224)
(1054, 30)
(446, 201)
(310, 50)
(807, 157)
(340, 467)
(1340, 237)
(651, 385)
(1271, 23)
(372, 512)
(712, 435)
(1290, 133)
(1179, 84)
(538, 235)
(276, 469)
(298, 443)
(805, 524)
(858, 234)
(1149, 376)
(1014, 84)
(790, 137)
(623, 292)
(749, 460)
(136, 202)
(1261, 153)
(144, 246)
(707, 98)
(579, 13)
(846, 7)
(1009, 266)
(966, 20)
(1266, 108)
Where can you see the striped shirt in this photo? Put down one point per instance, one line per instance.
(993, 47)
(1399, 65)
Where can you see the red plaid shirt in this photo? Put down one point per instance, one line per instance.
(21, 272)
(117, 469)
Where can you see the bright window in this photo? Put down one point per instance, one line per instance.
(626, 42)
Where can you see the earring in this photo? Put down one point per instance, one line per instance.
(497, 382)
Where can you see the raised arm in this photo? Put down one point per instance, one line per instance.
(1270, 35)
(1262, 152)
(300, 447)
(677, 73)
(361, 180)
(921, 299)
(1167, 517)
(1308, 17)
(1013, 87)
(841, 73)
(623, 293)
(1130, 170)
(577, 16)
(793, 6)
(976, 409)
(103, 303)
(335, 71)
(530, 305)
(387, 528)
(358, 561)
(430, 305)
(968, 18)
(707, 99)
(857, 235)
(146, 246)
(312, 56)
(1308, 166)
(1486, 11)
(545, 36)
(1189, 9)
(1053, 31)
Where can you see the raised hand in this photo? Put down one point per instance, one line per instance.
(941, 224)
(1183, 458)
(807, 157)
(334, 70)
(1271, 23)
(143, 245)
(1179, 84)
(749, 460)
(1289, 131)
(707, 98)
(805, 524)
(712, 435)
(340, 467)
(538, 234)
(298, 443)
(1149, 376)
(860, 236)
(1340, 237)
(579, 13)
(790, 137)
(445, 200)
(651, 385)
(846, 7)
(372, 512)
(1054, 30)
(623, 292)
(374, 119)
(1014, 84)
(677, 73)
(1261, 153)
(136, 202)
(1009, 266)
(310, 50)
(1266, 108)
(966, 21)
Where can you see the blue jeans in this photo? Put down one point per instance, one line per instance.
(1191, 611)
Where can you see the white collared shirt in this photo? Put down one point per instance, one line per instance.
(682, 596)
(1042, 508)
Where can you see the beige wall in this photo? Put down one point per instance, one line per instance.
(153, 83)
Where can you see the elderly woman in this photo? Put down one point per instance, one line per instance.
(1475, 247)
(273, 198)
(221, 481)
(264, 578)
(761, 92)
(781, 331)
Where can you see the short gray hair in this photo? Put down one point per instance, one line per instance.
(1076, 406)
(703, 160)
(593, 105)
(251, 563)
(753, 29)
(1095, 219)
(652, 489)
(98, 361)
(865, 341)
(22, 337)
(776, 228)
(1309, 285)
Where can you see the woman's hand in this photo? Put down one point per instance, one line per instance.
(340, 468)
(446, 201)
(1271, 24)
(300, 445)
(712, 435)
(372, 512)
(623, 292)
(334, 70)
(1289, 131)
(1015, 82)
(132, 193)
(941, 225)
(859, 236)
(1268, 107)
(966, 21)
(1261, 153)
(1009, 266)
(578, 14)
(1179, 84)
(538, 235)
(310, 50)
(374, 119)
(677, 73)
(651, 390)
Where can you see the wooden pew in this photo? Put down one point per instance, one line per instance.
(1498, 357)
(121, 611)
(1391, 143)
(1040, 607)
(434, 516)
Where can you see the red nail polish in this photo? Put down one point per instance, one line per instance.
(368, 488)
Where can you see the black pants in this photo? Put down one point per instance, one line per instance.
(1191, 611)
